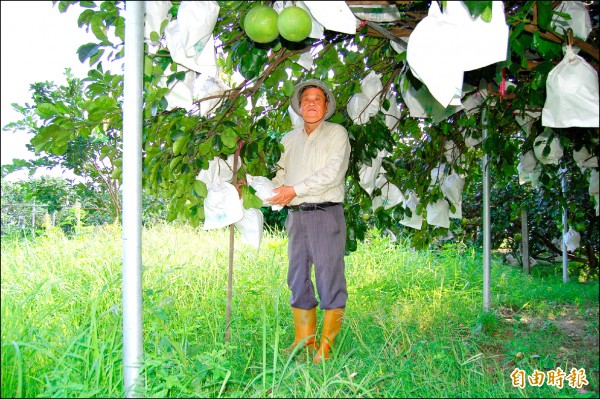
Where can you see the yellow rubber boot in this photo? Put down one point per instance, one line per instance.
(332, 324)
(305, 323)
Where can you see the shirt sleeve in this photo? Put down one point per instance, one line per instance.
(332, 174)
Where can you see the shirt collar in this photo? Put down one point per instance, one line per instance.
(315, 132)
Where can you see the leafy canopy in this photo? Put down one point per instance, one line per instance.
(252, 114)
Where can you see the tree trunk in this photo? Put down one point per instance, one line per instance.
(524, 241)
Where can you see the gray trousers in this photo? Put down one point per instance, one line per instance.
(317, 237)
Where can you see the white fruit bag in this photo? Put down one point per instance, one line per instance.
(392, 115)
(527, 120)
(556, 149)
(222, 206)
(264, 189)
(432, 56)
(579, 21)
(438, 213)
(572, 97)
(584, 159)
(421, 104)
(181, 93)
(218, 171)
(251, 227)
(593, 189)
(208, 86)
(527, 168)
(156, 13)
(189, 37)
(444, 45)
(361, 109)
(452, 189)
(415, 221)
(390, 194)
(437, 175)
(333, 15)
(571, 239)
(371, 87)
(368, 174)
(528, 162)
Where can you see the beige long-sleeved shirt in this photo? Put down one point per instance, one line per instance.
(316, 164)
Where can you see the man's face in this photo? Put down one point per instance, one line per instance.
(313, 105)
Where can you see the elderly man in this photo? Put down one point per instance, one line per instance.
(310, 180)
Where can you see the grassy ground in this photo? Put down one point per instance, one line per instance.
(414, 325)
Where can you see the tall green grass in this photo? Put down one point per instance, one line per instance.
(414, 325)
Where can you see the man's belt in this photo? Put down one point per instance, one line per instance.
(305, 207)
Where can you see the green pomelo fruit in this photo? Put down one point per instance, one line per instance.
(294, 24)
(260, 24)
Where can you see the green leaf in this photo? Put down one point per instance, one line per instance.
(386, 104)
(87, 50)
(229, 138)
(116, 174)
(85, 17)
(43, 139)
(120, 28)
(98, 27)
(96, 115)
(288, 88)
(174, 162)
(547, 49)
(544, 14)
(47, 110)
(176, 76)
(200, 188)
(87, 4)
(60, 146)
(252, 62)
(96, 57)
(103, 102)
(486, 15)
(179, 144)
(61, 107)
(477, 8)
(250, 200)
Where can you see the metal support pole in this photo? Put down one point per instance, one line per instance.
(565, 229)
(486, 216)
(132, 200)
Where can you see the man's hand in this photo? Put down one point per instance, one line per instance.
(284, 195)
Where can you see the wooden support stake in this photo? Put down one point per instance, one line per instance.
(231, 248)
(524, 241)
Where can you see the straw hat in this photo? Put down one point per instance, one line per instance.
(313, 82)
